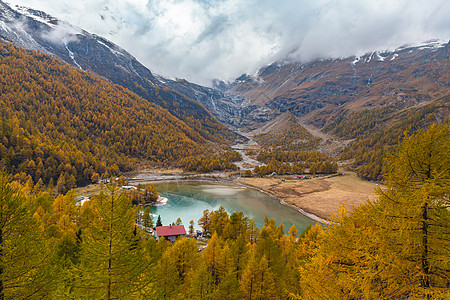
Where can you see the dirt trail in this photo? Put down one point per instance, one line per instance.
(330, 144)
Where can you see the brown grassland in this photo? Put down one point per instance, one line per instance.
(320, 196)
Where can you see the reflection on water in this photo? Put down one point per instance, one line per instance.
(188, 200)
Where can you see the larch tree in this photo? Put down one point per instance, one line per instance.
(211, 256)
(397, 247)
(191, 227)
(23, 256)
(415, 214)
(174, 268)
(201, 283)
(205, 221)
(111, 259)
(147, 219)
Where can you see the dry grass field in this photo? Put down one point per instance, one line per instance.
(88, 191)
(321, 196)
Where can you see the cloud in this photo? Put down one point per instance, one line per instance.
(205, 39)
(63, 33)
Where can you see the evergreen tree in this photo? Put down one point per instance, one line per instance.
(159, 222)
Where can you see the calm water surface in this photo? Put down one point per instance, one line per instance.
(188, 200)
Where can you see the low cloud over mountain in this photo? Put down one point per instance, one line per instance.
(204, 39)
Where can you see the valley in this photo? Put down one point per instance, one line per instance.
(314, 176)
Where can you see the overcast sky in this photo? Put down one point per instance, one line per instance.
(200, 40)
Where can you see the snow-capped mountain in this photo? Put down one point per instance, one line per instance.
(316, 91)
(404, 78)
(36, 30)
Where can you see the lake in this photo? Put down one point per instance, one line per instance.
(188, 200)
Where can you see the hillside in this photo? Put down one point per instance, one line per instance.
(63, 125)
(36, 30)
(359, 106)
(318, 91)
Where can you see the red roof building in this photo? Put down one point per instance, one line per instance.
(170, 232)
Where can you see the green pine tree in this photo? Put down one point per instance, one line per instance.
(159, 222)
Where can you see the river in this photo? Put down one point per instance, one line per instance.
(188, 200)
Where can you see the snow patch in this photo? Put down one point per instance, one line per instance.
(357, 59)
(36, 15)
(378, 56)
(72, 56)
(370, 57)
(434, 44)
(110, 49)
(394, 56)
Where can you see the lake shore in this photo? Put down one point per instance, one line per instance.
(317, 198)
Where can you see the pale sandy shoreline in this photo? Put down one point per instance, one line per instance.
(299, 209)
(320, 197)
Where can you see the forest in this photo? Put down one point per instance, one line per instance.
(397, 247)
(294, 138)
(295, 162)
(63, 127)
(211, 162)
(377, 131)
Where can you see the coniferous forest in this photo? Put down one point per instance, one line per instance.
(62, 128)
(397, 247)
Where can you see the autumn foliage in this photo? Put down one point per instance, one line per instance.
(396, 247)
(61, 126)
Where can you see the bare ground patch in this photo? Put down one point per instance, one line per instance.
(319, 196)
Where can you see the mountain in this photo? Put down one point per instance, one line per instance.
(60, 124)
(36, 30)
(317, 91)
(358, 106)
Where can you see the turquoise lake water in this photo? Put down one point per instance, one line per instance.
(188, 200)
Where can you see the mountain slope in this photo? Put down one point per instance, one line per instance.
(317, 91)
(362, 104)
(60, 124)
(37, 30)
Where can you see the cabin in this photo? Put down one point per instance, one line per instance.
(128, 187)
(170, 233)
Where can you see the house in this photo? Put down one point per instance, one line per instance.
(128, 187)
(170, 233)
